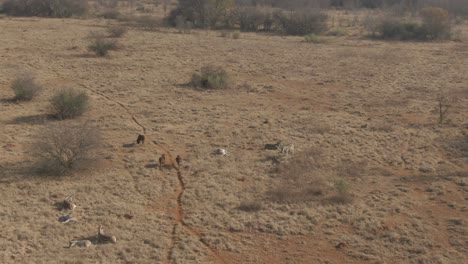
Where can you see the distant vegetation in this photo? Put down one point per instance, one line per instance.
(435, 25)
(45, 8)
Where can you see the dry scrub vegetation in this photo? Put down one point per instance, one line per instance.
(378, 171)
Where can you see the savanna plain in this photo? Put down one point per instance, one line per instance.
(374, 177)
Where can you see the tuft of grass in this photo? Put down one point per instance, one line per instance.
(69, 103)
(25, 87)
(211, 77)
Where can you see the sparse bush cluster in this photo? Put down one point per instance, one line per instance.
(61, 147)
(45, 8)
(224, 14)
(211, 77)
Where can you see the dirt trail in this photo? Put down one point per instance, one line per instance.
(178, 212)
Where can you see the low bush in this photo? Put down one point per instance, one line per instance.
(211, 77)
(101, 46)
(25, 87)
(312, 38)
(69, 103)
(64, 148)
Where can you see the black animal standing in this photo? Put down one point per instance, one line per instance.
(141, 139)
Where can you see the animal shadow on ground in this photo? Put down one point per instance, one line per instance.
(8, 100)
(129, 145)
(33, 119)
(273, 159)
(93, 240)
(151, 166)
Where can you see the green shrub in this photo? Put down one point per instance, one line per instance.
(25, 87)
(45, 8)
(312, 38)
(211, 77)
(69, 103)
(101, 45)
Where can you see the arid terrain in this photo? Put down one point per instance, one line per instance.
(363, 110)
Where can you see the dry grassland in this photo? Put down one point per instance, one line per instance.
(360, 112)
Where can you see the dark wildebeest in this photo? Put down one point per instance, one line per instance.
(178, 159)
(141, 138)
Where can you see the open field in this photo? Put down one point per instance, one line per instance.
(362, 109)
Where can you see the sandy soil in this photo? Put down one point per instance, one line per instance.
(359, 101)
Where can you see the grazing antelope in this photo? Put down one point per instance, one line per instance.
(79, 243)
(141, 139)
(104, 238)
(178, 159)
(275, 146)
(68, 203)
(162, 160)
(287, 149)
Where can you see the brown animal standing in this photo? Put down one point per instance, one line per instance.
(162, 160)
(178, 159)
(141, 139)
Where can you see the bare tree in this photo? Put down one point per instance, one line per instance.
(63, 148)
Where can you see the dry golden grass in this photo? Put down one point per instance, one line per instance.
(409, 196)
